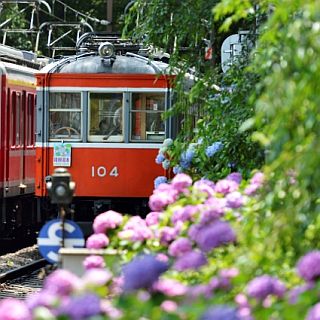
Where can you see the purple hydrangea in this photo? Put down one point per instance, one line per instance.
(43, 298)
(81, 307)
(213, 149)
(107, 220)
(93, 261)
(235, 176)
(184, 213)
(265, 285)
(308, 266)
(181, 181)
(214, 235)
(212, 210)
(225, 186)
(97, 241)
(167, 235)
(314, 313)
(190, 260)
(179, 247)
(13, 309)
(61, 282)
(234, 200)
(220, 312)
(142, 272)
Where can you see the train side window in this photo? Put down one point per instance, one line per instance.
(30, 120)
(146, 117)
(105, 117)
(65, 116)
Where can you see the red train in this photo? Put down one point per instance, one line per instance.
(99, 114)
(17, 140)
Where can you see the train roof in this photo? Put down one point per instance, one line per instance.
(129, 63)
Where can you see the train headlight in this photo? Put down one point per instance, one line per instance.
(106, 50)
(61, 188)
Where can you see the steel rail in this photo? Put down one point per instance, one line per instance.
(21, 271)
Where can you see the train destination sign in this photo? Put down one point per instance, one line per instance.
(50, 238)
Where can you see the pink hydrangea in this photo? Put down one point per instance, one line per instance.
(169, 306)
(13, 309)
(107, 220)
(180, 246)
(93, 261)
(97, 241)
(181, 181)
(152, 218)
(226, 186)
(170, 287)
(62, 282)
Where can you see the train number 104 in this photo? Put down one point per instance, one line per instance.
(102, 171)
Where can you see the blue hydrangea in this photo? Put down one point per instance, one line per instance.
(166, 164)
(220, 312)
(177, 169)
(160, 158)
(159, 180)
(142, 272)
(213, 149)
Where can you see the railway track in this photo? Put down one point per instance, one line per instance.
(22, 281)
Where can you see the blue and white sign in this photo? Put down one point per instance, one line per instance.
(50, 238)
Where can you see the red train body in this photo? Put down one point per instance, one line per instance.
(101, 117)
(17, 140)
(98, 115)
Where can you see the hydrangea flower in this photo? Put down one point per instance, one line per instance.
(62, 282)
(152, 218)
(234, 200)
(265, 285)
(177, 169)
(214, 235)
(190, 260)
(314, 312)
(140, 230)
(166, 164)
(169, 306)
(170, 287)
(179, 247)
(308, 266)
(107, 220)
(159, 180)
(81, 307)
(96, 277)
(142, 272)
(181, 181)
(97, 241)
(225, 186)
(213, 149)
(220, 312)
(93, 261)
(13, 309)
(160, 158)
(235, 176)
